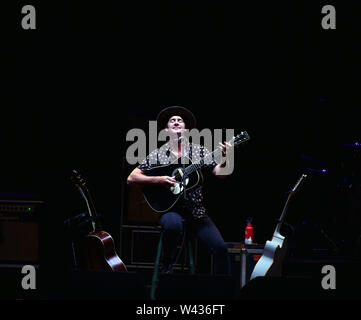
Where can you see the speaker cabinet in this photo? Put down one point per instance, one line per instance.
(138, 208)
(19, 241)
(19, 231)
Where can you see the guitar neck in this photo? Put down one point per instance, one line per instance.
(242, 137)
(292, 192)
(207, 159)
(281, 219)
(91, 208)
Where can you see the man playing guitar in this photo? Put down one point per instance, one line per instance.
(190, 207)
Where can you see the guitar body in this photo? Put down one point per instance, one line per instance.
(162, 199)
(270, 264)
(98, 253)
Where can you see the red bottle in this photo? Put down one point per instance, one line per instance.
(248, 239)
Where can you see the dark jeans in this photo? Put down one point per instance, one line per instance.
(204, 229)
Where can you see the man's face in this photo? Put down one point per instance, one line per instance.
(176, 124)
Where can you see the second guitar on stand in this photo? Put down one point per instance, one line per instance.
(98, 249)
(275, 250)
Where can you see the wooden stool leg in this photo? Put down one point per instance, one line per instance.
(156, 268)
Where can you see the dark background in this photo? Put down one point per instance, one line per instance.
(73, 88)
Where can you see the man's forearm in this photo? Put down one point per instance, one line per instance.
(141, 179)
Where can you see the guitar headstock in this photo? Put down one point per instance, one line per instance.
(299, 182)
(78, 180)
(240, 138)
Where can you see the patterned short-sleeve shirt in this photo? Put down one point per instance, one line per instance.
(193, 203)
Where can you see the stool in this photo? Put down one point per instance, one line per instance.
(155, 277)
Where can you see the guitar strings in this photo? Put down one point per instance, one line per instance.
(196, 166)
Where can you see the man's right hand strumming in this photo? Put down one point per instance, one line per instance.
(166, 181)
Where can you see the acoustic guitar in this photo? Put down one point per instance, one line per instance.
(162, 199)
(98, 250)
(270, 264)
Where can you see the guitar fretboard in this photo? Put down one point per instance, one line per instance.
(242, 137)
(206, 160)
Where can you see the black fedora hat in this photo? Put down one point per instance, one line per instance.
(166, 113)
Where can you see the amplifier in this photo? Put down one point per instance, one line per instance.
(19, 231)
(16, 210)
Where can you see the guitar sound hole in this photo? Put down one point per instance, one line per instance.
(178, 177)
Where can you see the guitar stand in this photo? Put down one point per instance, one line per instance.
(76, 228)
